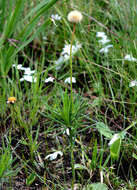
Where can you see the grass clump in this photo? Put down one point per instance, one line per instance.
(68, 94)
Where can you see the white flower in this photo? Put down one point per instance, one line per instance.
(130, 58)
(66, 49)
(28, 78)
(19, 66)
(67, 80)
(50, 79)
(133, 83)
(54, 155)
(67, 131)
(100, 34)
(65, 54)
(44, 37)
(104, 41)
(56, 17)
(59, 62)
(114, 138)
(104, 37)
(28, 71)
(105, 49)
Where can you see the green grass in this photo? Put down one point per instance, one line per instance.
(93, 110)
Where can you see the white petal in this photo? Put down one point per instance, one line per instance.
(105, 49)
(59, 62)
(67, 80)
(130, 58)
(28, 78)
(133, 83)
(100, 34)
(54, 155)
(114, 138)
(65, 54)
(75, 48)
(19, 66)
(28, 71)
(56, 17)
(23, 68)
(67, 131)
(50, 79)
(22, 79)
(104, 41)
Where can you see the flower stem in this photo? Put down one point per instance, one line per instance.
(71, 69)
(72, 159)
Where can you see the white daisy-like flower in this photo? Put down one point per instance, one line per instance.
(54, 155)
(104, 41)
(129, 57)
(103, 36)
(114, 138)
(105, 49)
(100, 34)
(133, 83)
(19, 66)
(28, 71)
(67, 80)
(65, 54)
(50, 79)
(75, 48)
(28, 78)
(56, 17)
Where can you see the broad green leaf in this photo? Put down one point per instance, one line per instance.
(10, 27)
(104, 129)
(2, 13)
(115, 149)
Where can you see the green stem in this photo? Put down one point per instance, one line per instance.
(71, 70)
(72, 160)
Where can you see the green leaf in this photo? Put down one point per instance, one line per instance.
(33, 22)
(79, 167)
(94, 155)
(14, 19)
(115, 149)
(104, 129)
(96, 186)
(134, 156)
(2, 13)
(30, 179)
